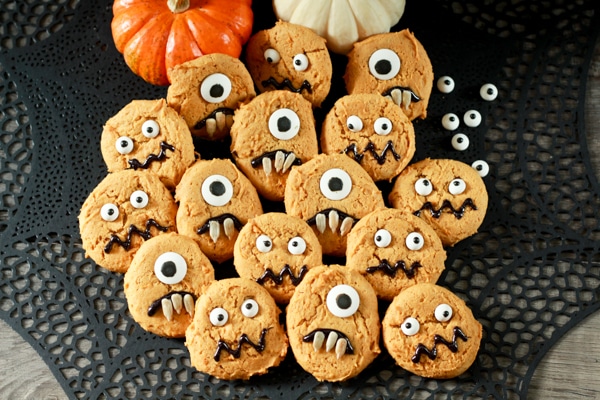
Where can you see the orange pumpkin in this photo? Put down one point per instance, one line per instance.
(156, 35)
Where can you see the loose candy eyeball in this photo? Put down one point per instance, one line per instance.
(460, 142)
(472, 118)
(445, 84)
(488, 92)
(450, 121)
(481, 167)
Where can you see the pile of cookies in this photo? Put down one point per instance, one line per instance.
(167, 218)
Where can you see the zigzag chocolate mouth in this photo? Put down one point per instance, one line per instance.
(145, 234)
(287, 84)
(278, 279)
(390, 270)
(439, 339)
(219, 118)
(370, 148)
(164, 146)
(282, 160)
(213, 226)
(173, 301)
(458, 213)
(335, 216)
(222, 346)
(402, 96)
(333, 339)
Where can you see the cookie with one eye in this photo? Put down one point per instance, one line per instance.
(431, 332)
(206, 92)
(235, 333)
(125, 209)
(167, 275)
(290, 57)
(332, 193)
(271, 134)
(394, 250)
(394, 65)
(448, 194)
(333, 323)
(372, 131)
(276, 250)
(215, 202)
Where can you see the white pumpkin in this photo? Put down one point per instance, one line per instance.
(341, 22)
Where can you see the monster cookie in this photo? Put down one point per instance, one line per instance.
(290, 57)
(394, 65)
(431, 332)
(215, 201)
(235, 333)
(448, 194)
(271, 134)
(206, 92)
(333, 323)
(166, 277)
(372, 131)
(331, 193)
(125, 209)
(394, 250)
(148, 135)
(276, 250)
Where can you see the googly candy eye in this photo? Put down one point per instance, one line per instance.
(264, 244)
(284, 124)
(170, 268)
(382, 126)
(443, 313)
(450, 121)
(215, 88)
(445, 84)
(343, 301)
(150, 129)
(423, 187)
(472, 118)
(460, 142)
(384, 64)
(354, 123)
(109, 212)
(217, 190)
(218, 316)
(272, 56)
(481, 167)
(382, 238)
(414, 241)
(410, 326)
(457, 186)
(488, 92)
(335, 184)
(124, 145)
(300, 62)
(139, 199)
(249, 308)
(297, 245)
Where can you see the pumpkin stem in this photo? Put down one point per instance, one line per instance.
(178, 6)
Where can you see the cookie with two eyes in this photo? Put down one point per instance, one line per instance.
(276, 250)
(372, 131)
(290, 57)
(394, 250)
(448, 194)
(394, 65)
(270, 135)
(125, 209)
(215, 202)
(431, 332)
(206, 92)
(166, 276)
(235, 333)
(148, 135)
(333, 323)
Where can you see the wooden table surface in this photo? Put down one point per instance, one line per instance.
(570, 370)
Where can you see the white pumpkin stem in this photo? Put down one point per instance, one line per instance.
(178, 6)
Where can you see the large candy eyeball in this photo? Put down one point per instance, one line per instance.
(249, 308)
(423, 187)
(124, 145)
(264, 244)
(139, 199)
(384, 64)
(383, 126)
(217, 190)
(354, 123)
(218, 316)
(297, 245)
(472, 118)
(382, 238)
(215, 88)
(414, 241)
(343, 301)
(150, 129)
(450, 121)
(445, 84)
(300, 62)
(410, 326)
(457, 186)
(170, 268)
(460, 142)
(284, 124)
(335, 184)
(109, 212)
(481, 167)
(272, 56)
(443, 312)
(488, 92)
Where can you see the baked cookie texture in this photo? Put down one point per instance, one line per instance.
(276, 250)
(206, 92)
(331, 193)
(235, 333)
(448, 194)
(148, 135)
(215, 201)
(270, 135)
(372, 131)
(394, 65)
(394, 250)
(333, 323)
(431, 332)
(167, 275)
(125, 209)
(290, 57)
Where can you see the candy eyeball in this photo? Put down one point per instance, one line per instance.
(443, 313)
(170, 268)
(410, 326)
(343, 301)
(217, 190)
(450, 121)
(335, 184)
(472, 118)
(481, 167)
(415, 241)
(460, 142)
(297, 246)
(445, 84)
(300, 62)
(488, 92)
(109, 212)
(383, 126)
(272, 56)
(215, 88)
(382, 238)
(457, 186)
(124, 145)
(249, 308)
(354, 123)
(264, 244)
(284, 124)
(218, 316)
(423, 187)
(384, 64)
(139, 199)
(150, 129)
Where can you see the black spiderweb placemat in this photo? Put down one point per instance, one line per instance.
(532, 272)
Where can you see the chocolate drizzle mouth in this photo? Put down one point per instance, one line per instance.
(336, 217)
(258, 161)
(156, 304)
(164, 146)
(219, 219)
(390, 270)
(278, 279)
(413, 95)
(287, 84)
(438, 339)
(332, 339)
(145, 234)
(370, 148)
(213, 115)
(458, 213)
(222, 346)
